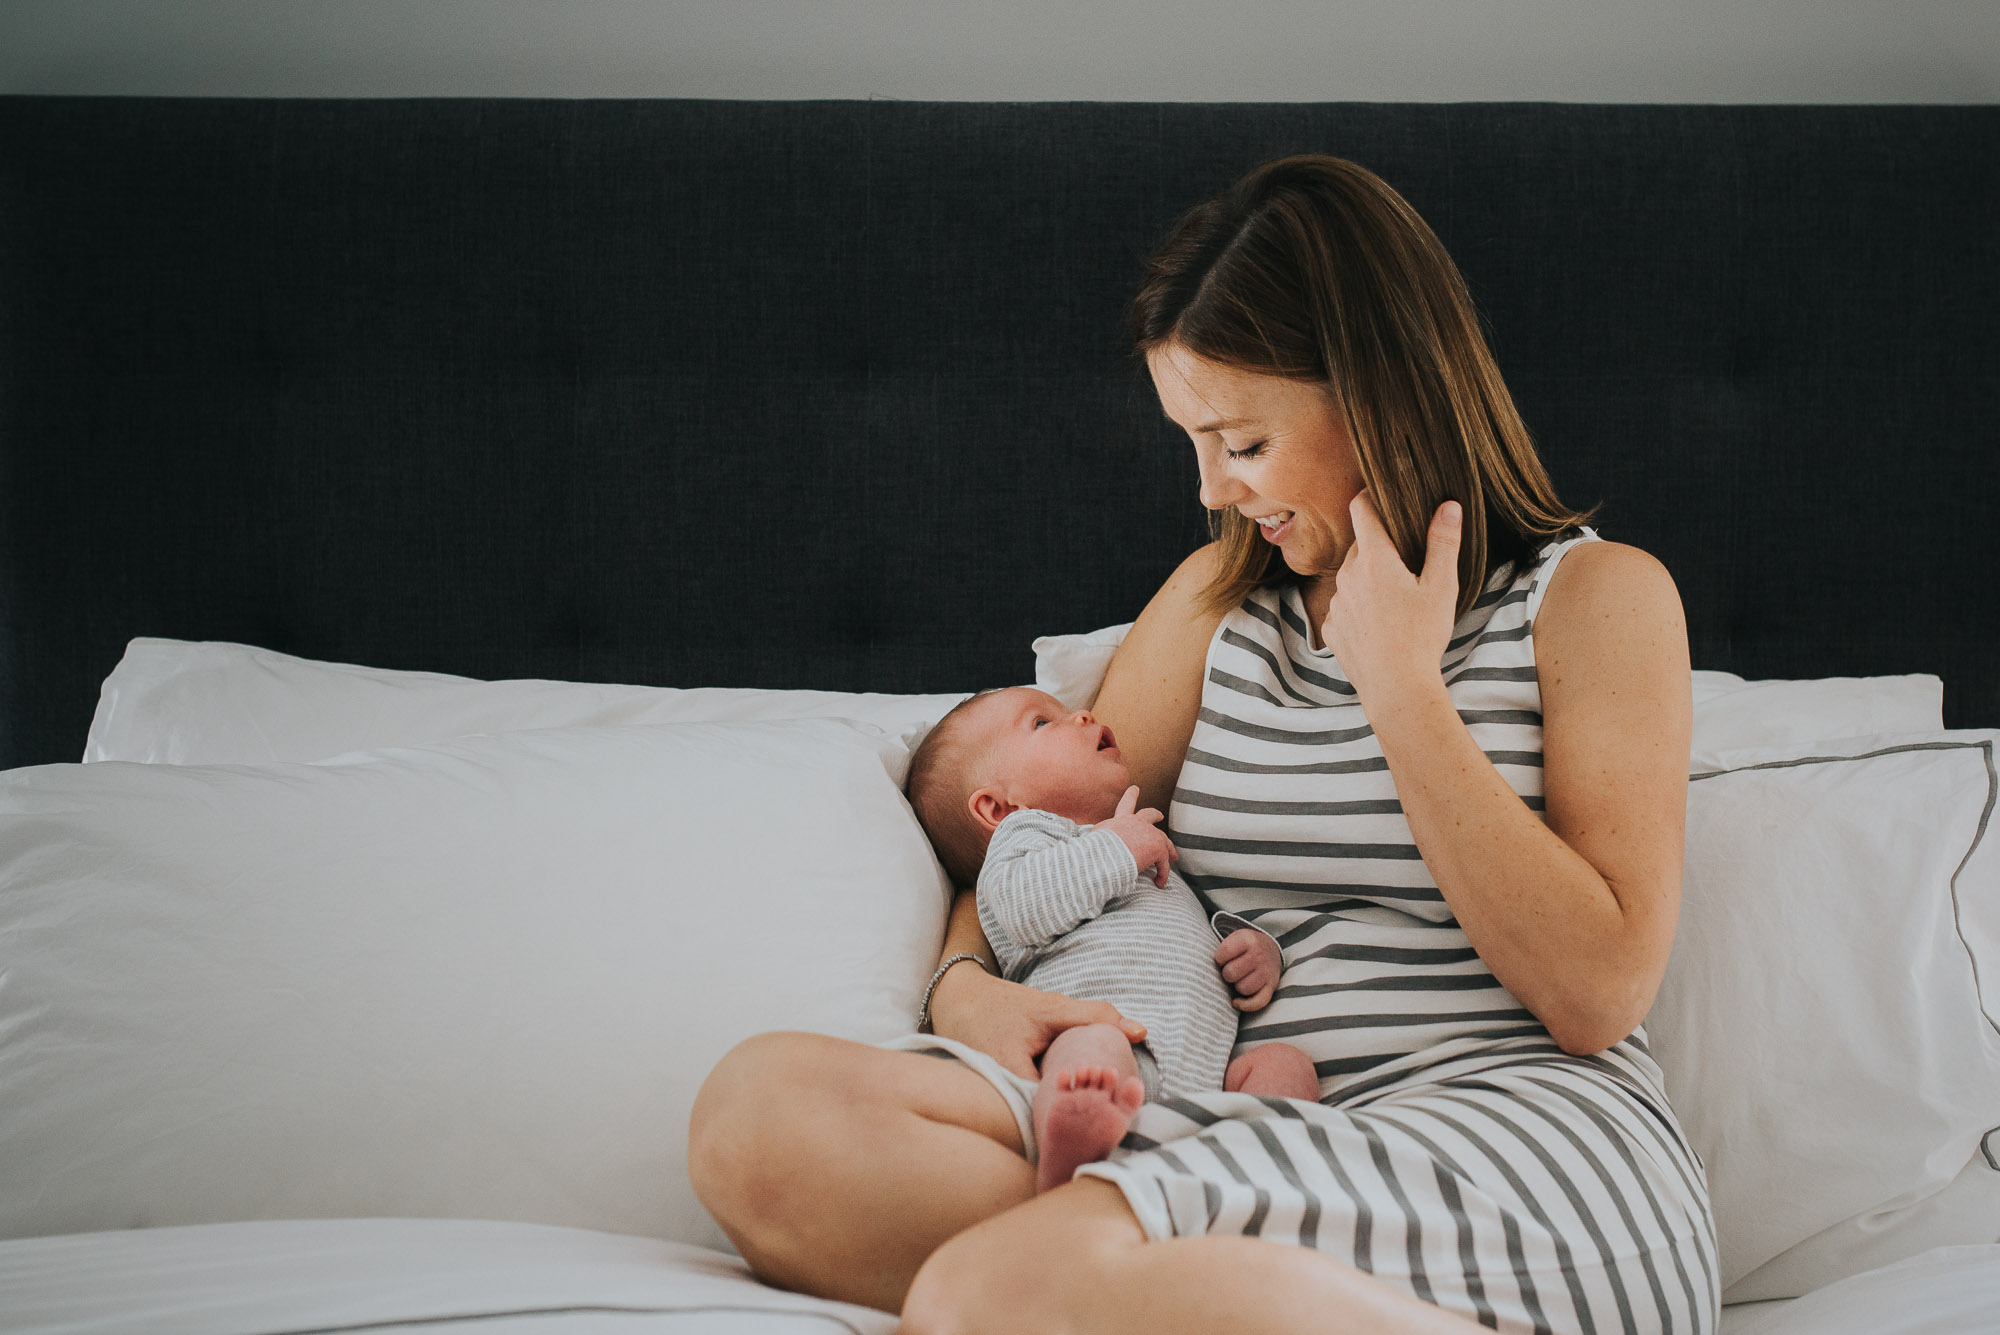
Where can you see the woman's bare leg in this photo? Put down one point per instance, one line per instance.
(837, 1168)
(1074, 1260)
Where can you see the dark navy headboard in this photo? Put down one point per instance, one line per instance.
(837, 394)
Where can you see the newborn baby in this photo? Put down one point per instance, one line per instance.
(1077, 895)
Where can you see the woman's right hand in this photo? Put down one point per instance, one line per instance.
(1011, 1022)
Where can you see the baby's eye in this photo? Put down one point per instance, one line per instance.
(1247, 452)
(1039, 720)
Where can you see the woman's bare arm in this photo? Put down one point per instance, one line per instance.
(1013, 1023)
(1574, 916)
(1152, 691)
(1150, 697)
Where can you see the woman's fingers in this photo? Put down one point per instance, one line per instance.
(1103, 1012)
(1020, 1058)
(1441, 545)
(1367, 523)
(1014, 1023)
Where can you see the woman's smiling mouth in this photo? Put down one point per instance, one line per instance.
(1275, 526)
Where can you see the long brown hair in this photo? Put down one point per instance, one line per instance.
(1314, 269)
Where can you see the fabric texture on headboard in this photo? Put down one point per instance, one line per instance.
(838, 394)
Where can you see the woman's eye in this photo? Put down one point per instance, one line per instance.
(1247, 452)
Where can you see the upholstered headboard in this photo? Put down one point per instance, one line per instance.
(838, 394)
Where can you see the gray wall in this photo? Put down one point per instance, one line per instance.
(1029, 50)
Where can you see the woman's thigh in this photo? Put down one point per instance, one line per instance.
(1075, 1260)
(837, 1168)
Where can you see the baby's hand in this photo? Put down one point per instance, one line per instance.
(1251, 964)
(1140, 831)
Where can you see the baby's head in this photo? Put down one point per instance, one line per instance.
(1004, 750)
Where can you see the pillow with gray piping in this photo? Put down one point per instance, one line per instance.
(1829, 1024)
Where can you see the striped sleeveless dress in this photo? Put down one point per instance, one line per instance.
(1456, 1150)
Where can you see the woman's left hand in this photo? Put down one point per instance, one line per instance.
(1387, 626)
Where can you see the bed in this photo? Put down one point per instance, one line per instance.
(471, 573)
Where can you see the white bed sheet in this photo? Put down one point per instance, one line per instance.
(326, 1276)
(1944, 1291)
(333, 1275)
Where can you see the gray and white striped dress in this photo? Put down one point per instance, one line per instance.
(1456, 1151)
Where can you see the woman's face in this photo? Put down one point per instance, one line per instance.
(1276, 450)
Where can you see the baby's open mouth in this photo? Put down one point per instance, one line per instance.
(1105, 742)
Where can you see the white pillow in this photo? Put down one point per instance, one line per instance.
(477, 980)
(178, 702)
(1775, 713)
(1827, 1022)
(1072, 667)
(1729, 712)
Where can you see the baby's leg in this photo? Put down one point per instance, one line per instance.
(1090, 1089)
(1275, 1070)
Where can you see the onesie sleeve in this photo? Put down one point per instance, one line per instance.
(1042, 878)
(1224, 925)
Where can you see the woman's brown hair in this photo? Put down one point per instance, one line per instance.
(1314, 269)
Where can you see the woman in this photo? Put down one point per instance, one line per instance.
(1456, 796)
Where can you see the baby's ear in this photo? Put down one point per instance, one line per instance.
(988, 808)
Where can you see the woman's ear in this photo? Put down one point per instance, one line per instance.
(988, 808)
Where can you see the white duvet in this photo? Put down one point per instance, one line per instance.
(329, 1275)
(289, 1277)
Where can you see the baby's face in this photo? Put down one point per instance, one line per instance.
(1042, 755)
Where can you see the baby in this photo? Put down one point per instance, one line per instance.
(1077, 896)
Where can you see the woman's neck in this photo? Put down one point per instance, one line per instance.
(1316, 593)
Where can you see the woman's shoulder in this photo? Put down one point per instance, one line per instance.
(1180, 613)
(1191, 576)
(1596, 576)
(1152, 690)
(1608, 603)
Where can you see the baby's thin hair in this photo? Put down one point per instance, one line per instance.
(941, 779)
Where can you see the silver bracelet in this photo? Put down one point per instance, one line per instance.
(924, 1008)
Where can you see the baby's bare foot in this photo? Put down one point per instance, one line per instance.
(1080, 1116)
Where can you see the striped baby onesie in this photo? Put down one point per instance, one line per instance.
(1066, 911)
(1456, 1151)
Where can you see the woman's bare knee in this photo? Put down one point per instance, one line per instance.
(1040, 1267)
(836, 1167)
(748, 1124)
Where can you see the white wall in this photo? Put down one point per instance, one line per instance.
(1176, 50)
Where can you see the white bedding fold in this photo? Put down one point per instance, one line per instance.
(338, 1275)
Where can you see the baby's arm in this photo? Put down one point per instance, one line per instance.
(1250, 961)
(1039, 884)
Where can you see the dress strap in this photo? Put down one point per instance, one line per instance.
(1545, 567)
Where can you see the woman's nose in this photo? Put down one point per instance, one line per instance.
(1218, 490)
